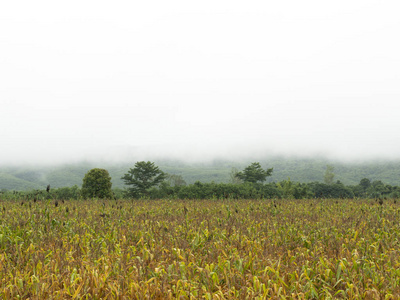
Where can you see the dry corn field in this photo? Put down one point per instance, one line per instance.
(205, 249)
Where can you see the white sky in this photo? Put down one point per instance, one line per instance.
(199, 78)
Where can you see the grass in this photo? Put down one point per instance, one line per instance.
(205, 249)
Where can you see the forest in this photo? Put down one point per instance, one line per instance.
(288, 179)
(305, 170)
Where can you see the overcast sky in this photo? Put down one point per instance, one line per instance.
(199, 79)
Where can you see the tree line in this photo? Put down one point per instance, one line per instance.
(146, 180)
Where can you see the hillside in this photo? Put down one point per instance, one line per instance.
(301, 170)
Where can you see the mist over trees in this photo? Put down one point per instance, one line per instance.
(146, 180)
(329, 175)
(290, 179)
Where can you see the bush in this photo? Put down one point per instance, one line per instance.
(337, 190)
(67, 192)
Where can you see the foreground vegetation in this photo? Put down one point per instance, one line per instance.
(200, 249)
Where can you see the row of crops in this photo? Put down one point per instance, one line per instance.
(200, 249)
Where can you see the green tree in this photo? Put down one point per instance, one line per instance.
(97, 183)
(292, 190)
(287, 188)
(329, 175)
(365, 183)
(233, 178)
(175, 180)
(142, 177)
(335, 190)
(254, 173)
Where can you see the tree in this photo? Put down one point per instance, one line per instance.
(287, 188)
(365, 183)
(292, 190)
(233, 178)
(175, 180)
(97, 183)
(254, 173)
(329, 175)
(142, 177)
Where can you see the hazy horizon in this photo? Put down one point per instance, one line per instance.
(198, 81)
(130, 155)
